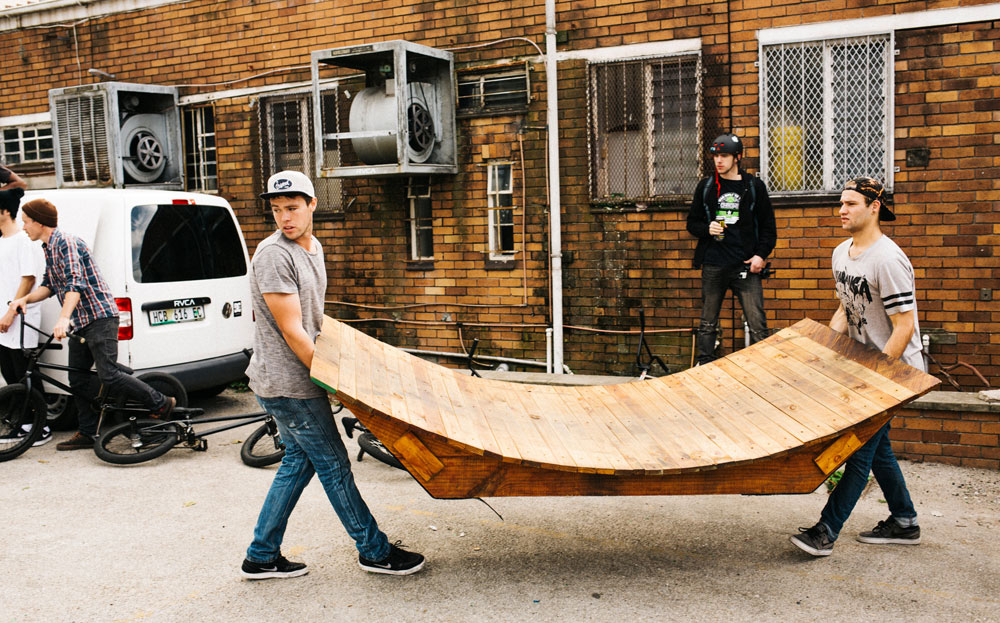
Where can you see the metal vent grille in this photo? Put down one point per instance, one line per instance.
(83, 139)
(825, 113)
(645, 128)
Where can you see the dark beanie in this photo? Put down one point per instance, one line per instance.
(9, 200)
(41, 211)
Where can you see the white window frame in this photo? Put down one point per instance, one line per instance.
(830, 184)
(416, 224)
(22, 138)
(204, 151)
(494, 205)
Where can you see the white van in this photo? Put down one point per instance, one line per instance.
(177, 266)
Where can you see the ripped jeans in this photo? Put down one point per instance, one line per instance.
(715, 282)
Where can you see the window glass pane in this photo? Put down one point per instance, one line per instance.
(184, 243)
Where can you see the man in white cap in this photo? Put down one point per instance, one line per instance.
(288, 285)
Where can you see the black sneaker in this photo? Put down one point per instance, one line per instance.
(815, 540)
(281, 567)
(79, 441)
(164, 412)
(398, 562)
(44, 439)
(889, 531)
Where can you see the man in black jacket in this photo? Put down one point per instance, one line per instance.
(732, 218)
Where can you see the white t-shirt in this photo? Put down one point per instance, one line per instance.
(20, 257)
(873, 286)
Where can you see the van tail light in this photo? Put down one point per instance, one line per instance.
(183, 202)
(124, 318)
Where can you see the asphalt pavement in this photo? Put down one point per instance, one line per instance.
(162, 542)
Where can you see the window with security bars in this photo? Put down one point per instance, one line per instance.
(645, 123)
(200, 160)
(500, 210)
(421, 225)
(287, 142)
(493, 90)
(825, 113)
(26, 144)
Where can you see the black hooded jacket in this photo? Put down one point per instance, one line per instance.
(757, 228)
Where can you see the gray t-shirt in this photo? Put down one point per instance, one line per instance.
(280, 266)
(873, 286)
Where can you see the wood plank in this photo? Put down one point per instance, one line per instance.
(769, 418)
(683, 423)
(877, 388)
(418, 458)
(641, 415)
(917, 380)
(462, 420)
(485, 412)
(363, 371)
(326, 360)
(399, 409)
(738, 424)
(433, 398)
(505, 409)
(832, 392)
(703, 416)
(838, 452)
(381, 392)
(783, 398)
(661, 455)
(586, 432)
(415, 405)
(345, 382)
(550, 423)
(630, 438)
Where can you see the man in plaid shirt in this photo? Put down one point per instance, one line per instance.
(87, 306)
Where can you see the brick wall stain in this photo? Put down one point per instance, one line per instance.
(947, 100)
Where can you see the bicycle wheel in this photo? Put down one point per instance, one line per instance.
(166, 384)
(134, 442)
(370, 444)
(261, 449)
(22, 418)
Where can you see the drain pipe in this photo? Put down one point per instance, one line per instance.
(555, 207)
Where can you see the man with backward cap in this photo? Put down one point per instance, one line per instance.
(90, 309)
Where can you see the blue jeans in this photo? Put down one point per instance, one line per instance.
(312, 446)
(715, 281)
(875, 456)
(100, 350)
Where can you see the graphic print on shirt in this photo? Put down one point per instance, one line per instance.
(855, 294)
(729, 208)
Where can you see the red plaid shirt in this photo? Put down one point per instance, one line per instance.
(69, 267)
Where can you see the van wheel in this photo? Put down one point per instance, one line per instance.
(61, 411)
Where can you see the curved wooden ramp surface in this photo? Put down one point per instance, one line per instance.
(777, 417)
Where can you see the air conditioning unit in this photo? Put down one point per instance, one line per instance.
(402, 122)
(117, 134)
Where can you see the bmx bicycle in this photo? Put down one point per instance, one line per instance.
(23, 410)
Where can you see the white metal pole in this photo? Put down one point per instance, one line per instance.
(555, 220)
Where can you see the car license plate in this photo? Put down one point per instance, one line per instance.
(176, 314)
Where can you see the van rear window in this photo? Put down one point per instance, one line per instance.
(185, 243)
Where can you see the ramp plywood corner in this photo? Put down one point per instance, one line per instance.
(776, 417)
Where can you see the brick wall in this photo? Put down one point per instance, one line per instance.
(616, 260)
(956, 437)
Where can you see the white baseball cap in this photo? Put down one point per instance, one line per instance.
(288, 183)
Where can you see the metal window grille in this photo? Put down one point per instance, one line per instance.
(83, 140)
(500, 210)
(26, 144)
(645, 128)
(199, 149)
(421, 224)
(493, 90)
(287, 141)
(825, 113)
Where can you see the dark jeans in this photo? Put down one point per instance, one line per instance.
(12, 364)
(100, 349)
(715, 281)
(875, 456)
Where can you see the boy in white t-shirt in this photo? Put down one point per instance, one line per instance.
(878, 307)
(21, 266)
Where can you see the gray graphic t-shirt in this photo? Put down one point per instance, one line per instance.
(280, 266)
(873, 286)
